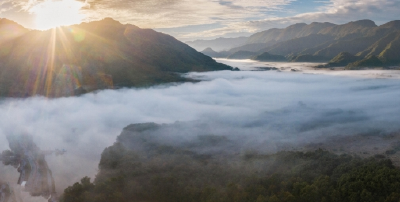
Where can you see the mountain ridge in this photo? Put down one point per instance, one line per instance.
(218, 44)
(94, 55)
(325, 41)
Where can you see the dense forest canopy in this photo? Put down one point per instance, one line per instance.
(142, 166)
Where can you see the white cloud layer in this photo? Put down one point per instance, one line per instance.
(177, 13)
(291, 106)
(236, 17)
(336, 11)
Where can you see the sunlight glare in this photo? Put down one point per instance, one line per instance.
(55, 13)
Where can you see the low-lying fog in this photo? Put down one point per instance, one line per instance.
(269, 106)
(309, 68)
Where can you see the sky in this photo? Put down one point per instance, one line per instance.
(198, 19)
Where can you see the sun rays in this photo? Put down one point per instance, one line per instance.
(54, 13)
(64, 60)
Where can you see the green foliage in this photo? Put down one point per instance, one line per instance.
(79, 191)
(179, 176)
(370, 61)
(343, 59)
(391, 53)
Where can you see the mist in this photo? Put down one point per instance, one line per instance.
(266, 110)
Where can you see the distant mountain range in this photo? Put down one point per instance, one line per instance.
(89, 56)
(318, 42)
(218, 44)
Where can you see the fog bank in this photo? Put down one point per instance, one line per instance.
(269, 107)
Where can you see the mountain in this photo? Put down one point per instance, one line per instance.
(291, 32)
(349, 30)
(307, 58)
(395, 24)
(391, 53)
(301, 39)
(269, 57)
(254, 47)
(210, 52)
(368, 62)
(334, 38)
(294, 46)
(269, 39)
(95, 55)
(10, 30)
(264, 36)
(380, 45)
(218, 44)
(352, 46)
(358, 38)
(319, 42)
(343, 59)
(242, 55)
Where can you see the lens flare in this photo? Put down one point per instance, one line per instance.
(55, 13)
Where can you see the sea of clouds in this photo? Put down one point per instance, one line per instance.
(266, 106)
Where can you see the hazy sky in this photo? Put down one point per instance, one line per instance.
(191, 19)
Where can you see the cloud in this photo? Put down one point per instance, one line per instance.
(336, 11)
(270, 107)
(176, 13)
(236, 17)
(169, 13)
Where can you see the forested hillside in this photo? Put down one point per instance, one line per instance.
(144, 166)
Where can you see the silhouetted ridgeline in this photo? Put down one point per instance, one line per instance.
(150, 162)
(318, 42)
(89, 56)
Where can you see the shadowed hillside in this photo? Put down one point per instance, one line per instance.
(269, 57)
(90, 56)
(218, 44)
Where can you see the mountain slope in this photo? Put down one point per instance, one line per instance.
(380, 45)
(395, 24)
(391, 54)
(352, 46)
(10, 30)
(359, 43)
(218, 44)
(210, 52)
(297, 45)
(93, 55)
(343, 59)
(254, 47)
(269, 57)
(242, 55)
(349, 30)
(307, 58)
(291, 32)
(326, 40)
(368, 62)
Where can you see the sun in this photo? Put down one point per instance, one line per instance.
(55, 13)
